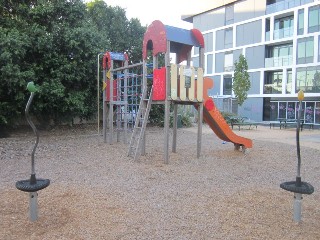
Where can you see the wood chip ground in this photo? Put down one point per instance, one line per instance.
(97, 192)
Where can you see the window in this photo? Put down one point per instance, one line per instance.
(228, 38)
(283, 27)
(282, 110)
(228, 61)
(227, 85)
(267, 29)
(305, 50)
(317, 113)
(291, 110)
(309, 112)
(273, 82)
(289, 81)
(229, 15)
(274, 111)
(209, 63)
(319, 49)
(300, 21)
(314, 19)
(308, 79)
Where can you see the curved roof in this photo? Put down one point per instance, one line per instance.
(181, 40)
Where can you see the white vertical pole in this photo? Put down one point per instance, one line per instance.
(175, 126)
(33, 206)
(167, 106)
(98, 94)
(126, 102)
(104, 112)
(297, 207)
(111, 105)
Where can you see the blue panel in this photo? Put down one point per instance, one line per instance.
(117, 56)
(180, 35)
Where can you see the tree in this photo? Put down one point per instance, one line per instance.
(55, 44)
(241, 82)
(316, 82)
(118, 33)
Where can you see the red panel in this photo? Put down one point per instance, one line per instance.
(156, 33)
(209, 104)
(198, 36)
(114, 90)
(159, 84)
(105, 60)
(183, 53)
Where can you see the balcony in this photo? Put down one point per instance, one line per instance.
(283, 33)
(228, 68)
(278, 61)
(286, 4)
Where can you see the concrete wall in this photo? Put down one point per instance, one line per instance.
(255, 83)
(195, 61)
(252, 109)
(209, 20)
(249, 33)
(215, 18)
(236, 55)
(244, 10)
(255, 57)
(219, 67)
(209, 64)
(208, 42)
(220, 43)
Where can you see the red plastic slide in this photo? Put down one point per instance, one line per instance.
(217, 123)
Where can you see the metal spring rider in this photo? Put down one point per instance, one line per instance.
(32, 185)
(298, 187)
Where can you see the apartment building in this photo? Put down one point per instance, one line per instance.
(280, 41)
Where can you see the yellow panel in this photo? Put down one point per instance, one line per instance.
(200, 85)
(174, 82)
(183, 92)
(192, 86)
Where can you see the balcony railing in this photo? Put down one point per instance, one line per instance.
(286, 4)
(228, 68)
(283, 33)
(278, 61)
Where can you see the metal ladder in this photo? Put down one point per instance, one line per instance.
(140, 125)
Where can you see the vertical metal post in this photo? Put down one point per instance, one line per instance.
(33, 206)
(104, 112)
(200, 111)
(175, 123)
(297, 207)
(175, 117)
(118, 105)
(167, 106)
(144, 86)
(199, 137)
(125, 98)
(98, 92)
(111, 105)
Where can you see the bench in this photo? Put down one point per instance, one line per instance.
(239, 124)
(284, 123)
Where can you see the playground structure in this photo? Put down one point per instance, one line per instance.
(172, 84)
(122, 96)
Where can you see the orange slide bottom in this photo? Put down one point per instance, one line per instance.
(216, 121)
